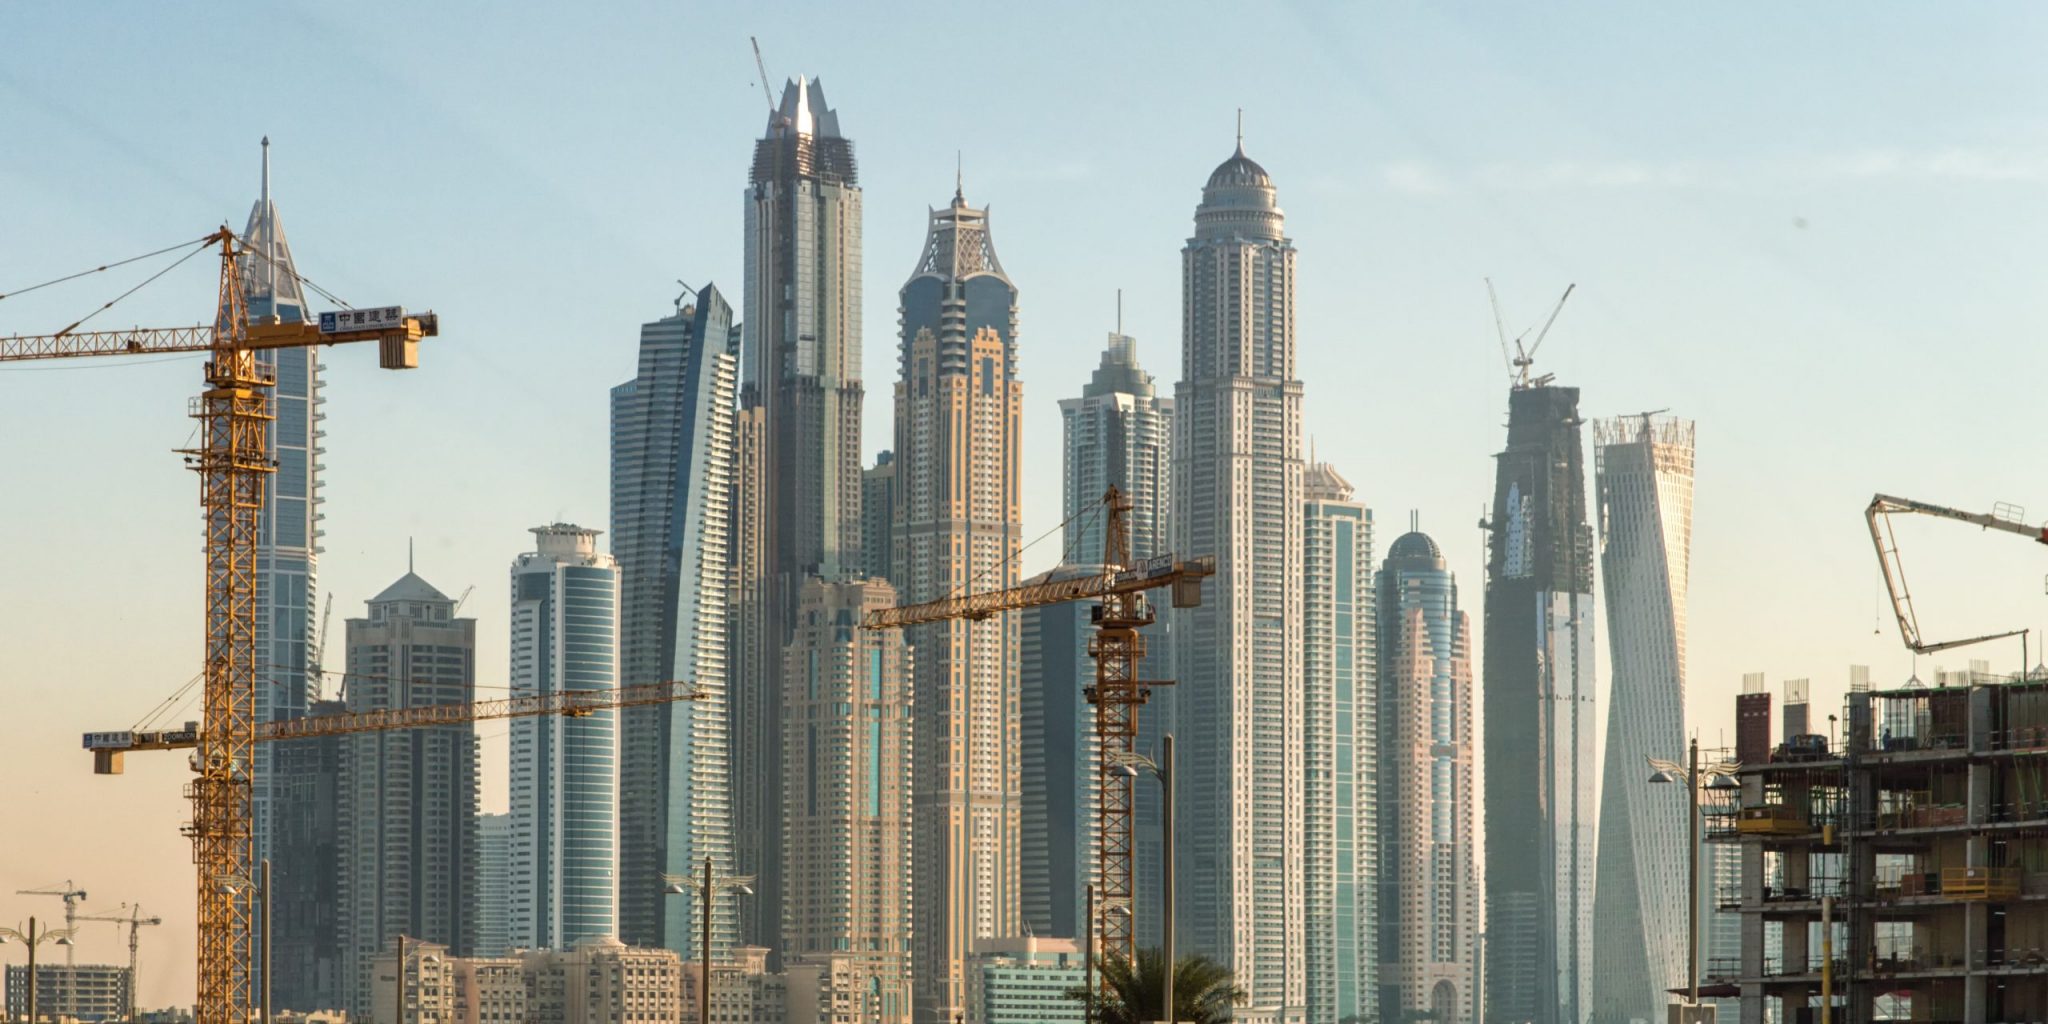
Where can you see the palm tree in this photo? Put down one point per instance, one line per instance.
(1203, 990)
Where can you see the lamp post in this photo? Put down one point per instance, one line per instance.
(707, 892)
(1163, 768)
(33, 938)
(232, 884)
(1720, 775)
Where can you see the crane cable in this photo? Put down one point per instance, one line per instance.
(146, 282)
(1093, 510)
(103, 267)
(298, 277)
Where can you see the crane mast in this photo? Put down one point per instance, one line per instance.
(1118, 648)
(2003, 518)
(232, 460)
(135, 922)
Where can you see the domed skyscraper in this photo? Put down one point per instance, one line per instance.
(1237, 487)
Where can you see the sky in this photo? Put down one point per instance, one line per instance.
(1807, 229)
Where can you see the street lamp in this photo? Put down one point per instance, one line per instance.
(1719, 776)
(1131, 762)
(33, 938)
(707, 892)
(232, 884)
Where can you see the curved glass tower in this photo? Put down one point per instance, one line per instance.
(1643, 476)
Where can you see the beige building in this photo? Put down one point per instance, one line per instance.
(742, 990)
(846, 796)
(958, 409)
(601, 981)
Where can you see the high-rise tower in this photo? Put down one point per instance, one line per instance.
(958, 410)
(1338, 740)
(1643, 476)
(1540, 688)
(846, 817)
(674, 456)
(564, 789)
(1119, 431)
(407, 820)
(1237, 493)
(288, 535)
(1428, 882)
(801, 399)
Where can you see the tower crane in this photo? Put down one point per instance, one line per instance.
(135, 922)
(2003, 517)
(1118, 648)
(232, 460)
(108, 747)
(72, 896)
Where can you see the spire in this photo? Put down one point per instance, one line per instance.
(959, 180)
(266, 170)
(1240, 131)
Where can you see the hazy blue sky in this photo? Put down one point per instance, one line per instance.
(1816, 231)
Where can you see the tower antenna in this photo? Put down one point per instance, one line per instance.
(1240, 130)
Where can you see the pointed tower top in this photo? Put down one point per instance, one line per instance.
(266, 168)
(1240, 131)
(959, 179)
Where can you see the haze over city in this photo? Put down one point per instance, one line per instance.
(1811, 232)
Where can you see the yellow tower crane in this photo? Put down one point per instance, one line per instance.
(232, 460)
(1117, 647)
(135, 922)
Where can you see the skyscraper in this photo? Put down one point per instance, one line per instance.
(1540, 688)
(1237, 494)
(408, 802)
(305, 872)
(878, 516)
(674, 453)
(565, 769)
(846, 794)
(1643, 476)
(1060, 761)
(287, 537)
(1119, 431)
(493, 884)
(958, 408)
(801, 393)
(1429, 898)
(1338, 743)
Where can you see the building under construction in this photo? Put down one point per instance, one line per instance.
(1900, 872)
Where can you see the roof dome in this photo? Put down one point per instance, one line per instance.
(1415, 545)
(1240, 170)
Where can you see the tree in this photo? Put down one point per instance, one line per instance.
(1203, 990)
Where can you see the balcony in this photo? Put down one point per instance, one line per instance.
(1981, 883)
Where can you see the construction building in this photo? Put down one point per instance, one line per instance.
(1902, 871)
(84, 992)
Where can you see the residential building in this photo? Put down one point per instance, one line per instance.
(603, 981)
(1119, 431)
(410, 982)
(801, 402)
(305, 873)
(1024, 980)
(493, 884)
(958, 411)
(1540, 670)
(846, 806)
(674, 452)
(1428, 878)
(1339, 738)
(82, 992)
(878, 517)
(564, 768)
(491, 990)
(744, 992)
(835, 988)
(1061, 761)
(1643, 478)
(1237, 494)
(408, 803)
(287, 574)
